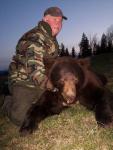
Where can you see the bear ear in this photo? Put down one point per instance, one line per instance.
(85, 62)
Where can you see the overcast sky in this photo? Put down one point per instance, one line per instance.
(19, 16)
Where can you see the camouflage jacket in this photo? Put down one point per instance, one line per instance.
(27, 65)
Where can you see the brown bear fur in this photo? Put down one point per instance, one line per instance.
(75, 80)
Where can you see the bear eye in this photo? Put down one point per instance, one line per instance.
(76, 80)
(61, 81)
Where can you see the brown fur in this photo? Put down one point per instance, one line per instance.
(75, 80)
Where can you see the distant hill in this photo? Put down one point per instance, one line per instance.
(3, 77)
(3, 72)
(3, 82)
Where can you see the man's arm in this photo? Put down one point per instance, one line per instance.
(34, 63)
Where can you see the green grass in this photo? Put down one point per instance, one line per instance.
(74, 129)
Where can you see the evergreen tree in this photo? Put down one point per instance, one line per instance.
(67, 52)
(95, 49)
(98, 49)
(110, 34)
(62, 50)
(85, 49)
(73, 53)
(93, 44)
(103, 44)
(110, 46)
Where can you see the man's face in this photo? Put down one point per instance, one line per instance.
(54, 22)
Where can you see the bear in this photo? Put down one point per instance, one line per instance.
(51, 102)
(74, 80)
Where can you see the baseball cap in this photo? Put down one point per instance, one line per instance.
(54, 11)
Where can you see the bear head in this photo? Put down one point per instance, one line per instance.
(66, 75)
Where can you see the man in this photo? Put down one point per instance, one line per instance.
(27, 79)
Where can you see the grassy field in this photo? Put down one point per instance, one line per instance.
(74, 129)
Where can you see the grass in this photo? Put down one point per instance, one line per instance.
(74, 129)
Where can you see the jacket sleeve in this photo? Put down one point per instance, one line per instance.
(34, 62)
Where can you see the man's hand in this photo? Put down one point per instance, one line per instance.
(49, 85)
(46, 83)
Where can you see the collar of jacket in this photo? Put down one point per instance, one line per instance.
(45, 27)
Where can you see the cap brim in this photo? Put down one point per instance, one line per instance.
(64, 17)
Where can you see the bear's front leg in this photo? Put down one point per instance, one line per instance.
(35, 114)
(103, 112)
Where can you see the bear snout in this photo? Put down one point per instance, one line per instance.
(69, 82)
(70, 99)
(69, 93)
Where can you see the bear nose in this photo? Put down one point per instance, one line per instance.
(70, 99)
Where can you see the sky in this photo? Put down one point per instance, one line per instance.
(92, 17)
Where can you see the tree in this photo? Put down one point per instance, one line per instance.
(109, 33)
(62, 50)
(85, 49)
(74, 55)
(67, 52)
(97, 49)
(103, 43)
(93, 44)
(110, 46)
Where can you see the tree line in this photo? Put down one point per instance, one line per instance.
(91, 47)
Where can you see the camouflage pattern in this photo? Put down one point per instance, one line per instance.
(27, 67)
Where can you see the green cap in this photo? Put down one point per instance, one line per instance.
(54, 11)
